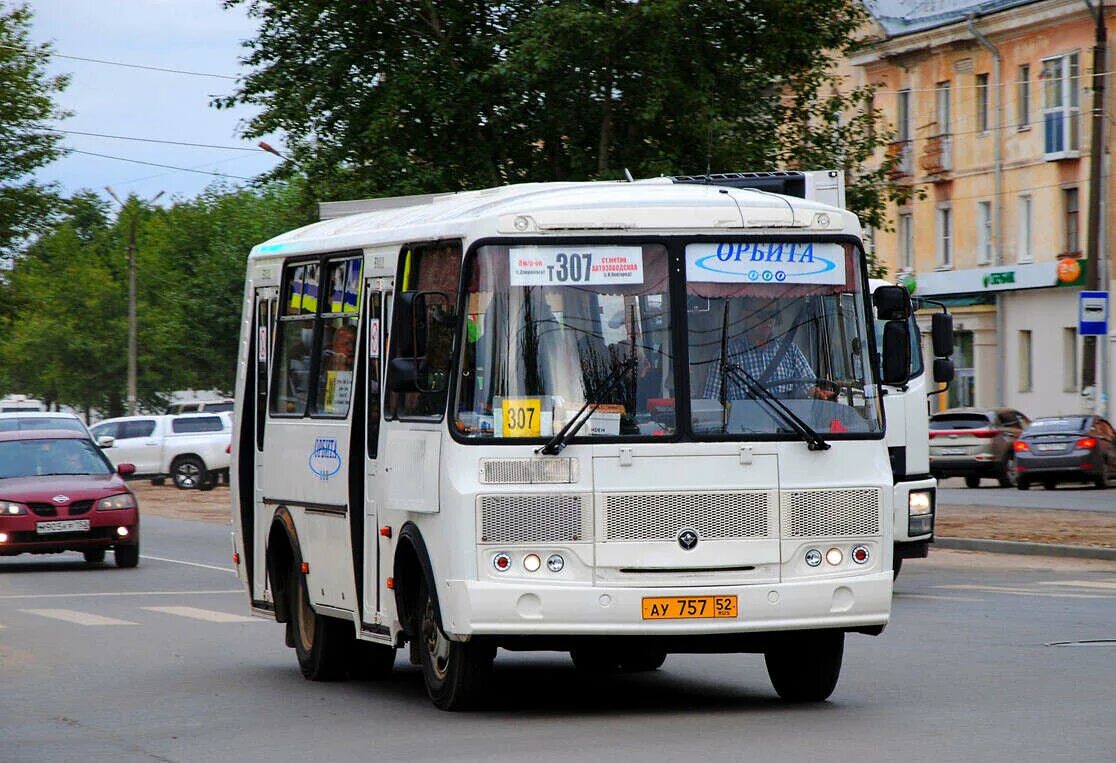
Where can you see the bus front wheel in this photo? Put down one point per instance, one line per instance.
(455, 672)
(805, 665)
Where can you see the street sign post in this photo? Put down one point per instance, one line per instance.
(1092, 313)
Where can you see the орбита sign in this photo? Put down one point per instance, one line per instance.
(766, 262)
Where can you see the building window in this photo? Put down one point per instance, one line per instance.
(944, 118)
(904, 129)
(984, 232)
(945, 238)
(1069, 359)
(906, 241)
(1023, 244)
(1061, 105)
(1023, 98)
(982, 102)
(1072, 217)
(1025, 379)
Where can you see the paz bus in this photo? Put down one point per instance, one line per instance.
(615, 419)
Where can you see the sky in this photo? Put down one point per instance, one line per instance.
(191, 35)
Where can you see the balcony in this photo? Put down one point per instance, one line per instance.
(900, 153)
(937, 157)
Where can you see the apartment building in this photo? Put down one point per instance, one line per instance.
(991, 103)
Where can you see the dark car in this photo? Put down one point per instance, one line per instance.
(1066, 449)
(58, 493)
(975, 443)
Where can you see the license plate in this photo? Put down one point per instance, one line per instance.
(1056, 446)
(952, 451)
(688, 607)
(62, 526)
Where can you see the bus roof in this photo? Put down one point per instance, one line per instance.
(537, 209)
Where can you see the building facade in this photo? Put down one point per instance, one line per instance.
(991, 104)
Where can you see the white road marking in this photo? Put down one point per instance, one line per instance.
(1081, 583)
(933, 597)
(113, 593)
(188, 564)
(205, 614)
(1024, 592)
(80, 618)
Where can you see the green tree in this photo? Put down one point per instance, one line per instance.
(26, 101)
(409, 96)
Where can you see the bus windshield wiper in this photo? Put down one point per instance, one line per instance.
(777, 407)
(593, 401)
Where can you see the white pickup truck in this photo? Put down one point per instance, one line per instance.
(192, 448)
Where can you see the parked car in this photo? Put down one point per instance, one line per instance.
(201, 406)
(192, 449)
(974, 443)
(58, 492)
(35, 420)
(1066, 449)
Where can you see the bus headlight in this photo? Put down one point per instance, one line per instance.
(920, 512)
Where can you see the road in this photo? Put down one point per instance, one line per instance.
(1070, 497)
(160, 663)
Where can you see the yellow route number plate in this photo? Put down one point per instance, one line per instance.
(522, 416)
(688, 607)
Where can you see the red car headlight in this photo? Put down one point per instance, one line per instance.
(118, 501)
(12, 509)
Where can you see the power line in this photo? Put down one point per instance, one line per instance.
(156, 164)
(151, 140)
(106, 62)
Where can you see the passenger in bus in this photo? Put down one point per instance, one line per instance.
(342, 348)
(768, 360)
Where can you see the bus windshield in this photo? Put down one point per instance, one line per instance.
(547, 327)
(551, 327)
(785, 318)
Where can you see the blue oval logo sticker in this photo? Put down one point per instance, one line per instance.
(325, 461)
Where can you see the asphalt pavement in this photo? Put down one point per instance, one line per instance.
(1069, 497)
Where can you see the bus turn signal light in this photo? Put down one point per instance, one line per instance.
(386, 531)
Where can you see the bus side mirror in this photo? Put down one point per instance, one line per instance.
(941, 334)
(896, 352)
(893, 303)
(416, 314)
(943, 370)
(406, 375)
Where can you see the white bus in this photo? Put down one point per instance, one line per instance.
(621, 420)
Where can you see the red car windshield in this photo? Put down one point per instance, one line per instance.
(39, 458)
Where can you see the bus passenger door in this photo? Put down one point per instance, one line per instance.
(374, 330)
(266, 306)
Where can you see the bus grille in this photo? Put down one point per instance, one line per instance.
(547, 518)
(828, 513)
(660, 516)
(527, 471)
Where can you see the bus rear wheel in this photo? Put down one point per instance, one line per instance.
(805, 666)
(455, 672)
(322, 644)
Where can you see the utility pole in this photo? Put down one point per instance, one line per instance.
(1096, 177)
(132, 322)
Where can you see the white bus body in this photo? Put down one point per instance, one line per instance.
(676, 520)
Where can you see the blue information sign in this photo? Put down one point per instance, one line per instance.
(1092, 313)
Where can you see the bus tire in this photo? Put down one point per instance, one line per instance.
(804, 666)
(322, 644)
(455, 672)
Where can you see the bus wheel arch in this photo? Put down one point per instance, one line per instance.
(282, 550)
(410, 568)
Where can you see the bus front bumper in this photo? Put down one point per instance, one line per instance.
(478, 608)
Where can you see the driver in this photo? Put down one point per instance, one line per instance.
(765, 359)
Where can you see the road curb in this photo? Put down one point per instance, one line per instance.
(1029, 549)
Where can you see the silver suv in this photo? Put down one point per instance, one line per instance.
(975, 443)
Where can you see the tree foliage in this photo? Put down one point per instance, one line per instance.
(63, 307)
(409, 96)
(26, 101)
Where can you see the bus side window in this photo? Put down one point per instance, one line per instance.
(293, 346)
(430, 268)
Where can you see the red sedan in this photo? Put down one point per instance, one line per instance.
(58, 493)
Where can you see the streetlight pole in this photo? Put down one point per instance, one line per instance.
(132, 322)
(1096, 175)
